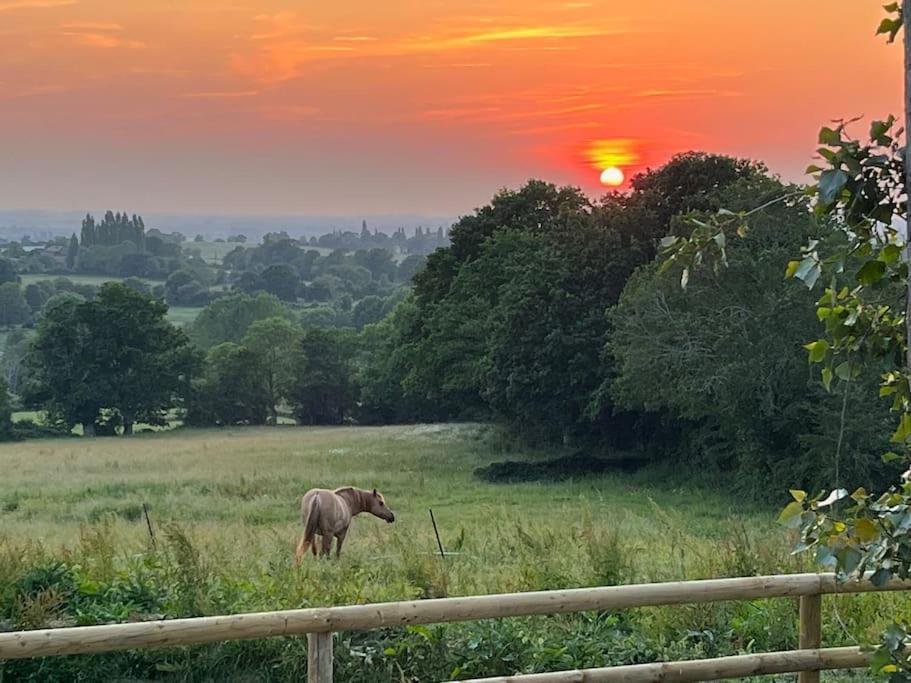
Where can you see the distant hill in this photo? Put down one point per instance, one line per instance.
(40, 225)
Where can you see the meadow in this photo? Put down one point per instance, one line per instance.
(75, 549)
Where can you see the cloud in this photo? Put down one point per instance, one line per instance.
(519, 33)
(10, 5)
(683, 93)
(621, 152)
(102, 40)
(356, 39)
(221, 94)
(36, 90)
(91, 26)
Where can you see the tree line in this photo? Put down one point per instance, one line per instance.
(546, 312)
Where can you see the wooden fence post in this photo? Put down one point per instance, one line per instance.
(810, 631)
(319, 658)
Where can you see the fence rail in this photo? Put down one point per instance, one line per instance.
(320, 623)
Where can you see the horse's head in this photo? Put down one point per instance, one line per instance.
(378, 507)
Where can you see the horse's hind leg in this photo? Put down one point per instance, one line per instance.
(327, 545)
(301, 550)
(340, 538)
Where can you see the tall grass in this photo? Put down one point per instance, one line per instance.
(75, 549)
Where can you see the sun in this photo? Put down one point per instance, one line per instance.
(612, 176)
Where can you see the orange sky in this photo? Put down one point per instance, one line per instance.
(347, 107)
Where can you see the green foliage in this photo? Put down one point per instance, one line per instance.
(117, 352)
(13, 308)
(273, 342)
(228, 318)
(230, 389)
(322, 391)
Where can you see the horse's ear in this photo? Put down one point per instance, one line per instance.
(375, 493)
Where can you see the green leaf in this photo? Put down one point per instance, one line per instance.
(891, 456)
(828, 136)
(831, 183)
(792, 268)
(901, 434)
(668, 241)
(880, 577)
(798, 495)
(890, 26)
(790, 512)
(849, 558)
(866, 530)
(827, 378)
(817, 349)
(843, 371)
(871, 272)
(808, 271)
(879, 128)
(890, 253)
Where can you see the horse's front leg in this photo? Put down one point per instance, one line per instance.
(327, 545)
(340, 538)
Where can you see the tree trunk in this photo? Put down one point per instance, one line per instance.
(127, 425)
(88, 428)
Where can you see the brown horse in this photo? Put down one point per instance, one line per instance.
(328, 513)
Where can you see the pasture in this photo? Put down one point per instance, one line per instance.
(224, 508)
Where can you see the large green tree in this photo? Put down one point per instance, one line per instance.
(117, 352)
(273, 343)
(229, 390)
(227, 318)
(322, 390)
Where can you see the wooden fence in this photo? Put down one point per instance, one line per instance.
(320, 623)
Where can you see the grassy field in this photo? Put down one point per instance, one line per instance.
(212, 252)
(97, 280)
(179, 315)
(225, 508)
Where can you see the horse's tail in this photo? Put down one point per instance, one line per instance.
(311, 519)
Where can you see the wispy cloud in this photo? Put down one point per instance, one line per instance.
(102, 40)
(289, 45)
(523, 33)
(36, 90)
(221, 94)
(91, 26)
(10, 5)
(685, 93)
(621, 152)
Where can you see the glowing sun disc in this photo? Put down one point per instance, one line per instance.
(612, 176)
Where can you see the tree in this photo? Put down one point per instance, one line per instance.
(228, 318)
(367, 311)
(6, 413)
(7, 271)
(117, 352)
(281, 280)
(72, 253)
(410, 266)
(12, 363)
(66, 379)
(13, 308)
(229, 390)
(322, 390)
(273, 342)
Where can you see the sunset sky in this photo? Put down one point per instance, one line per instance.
(426, 106)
